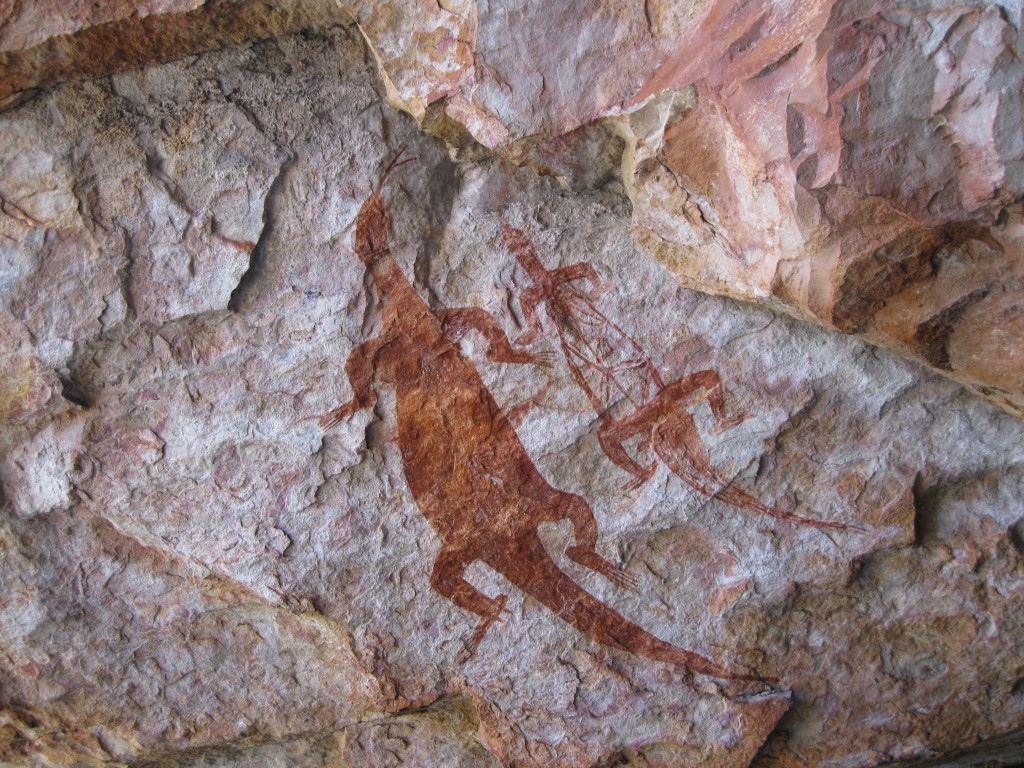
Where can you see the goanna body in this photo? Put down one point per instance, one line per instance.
(465, 465)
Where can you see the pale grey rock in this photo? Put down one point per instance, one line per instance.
(444, 734)
(37, 472)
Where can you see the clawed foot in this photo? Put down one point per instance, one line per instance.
(728, 422)
(640, 481)
(338, 415)
(498, 612)
(588, 558)
(545, 358)
(620, 577)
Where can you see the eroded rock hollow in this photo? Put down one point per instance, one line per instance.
(527, 384)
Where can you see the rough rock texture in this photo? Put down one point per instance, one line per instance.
(195, 572)
(48, 41)
(869, 177)
(1005, 750)
(859, 164)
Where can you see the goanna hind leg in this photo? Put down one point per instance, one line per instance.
(612, 436)
(584, 551)
(447, 580)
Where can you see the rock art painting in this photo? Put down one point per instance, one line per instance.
(467, 470)
(569, 505)
(611, 368)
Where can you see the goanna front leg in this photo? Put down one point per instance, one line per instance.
(360, 367)
(447, 580)
(678, 392)
(458, 322)
(580, 271)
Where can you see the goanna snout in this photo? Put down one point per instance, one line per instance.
(373, 225)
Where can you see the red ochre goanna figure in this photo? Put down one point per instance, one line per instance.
(610, 366)
(468, 472)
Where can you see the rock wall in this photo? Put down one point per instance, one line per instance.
(199, 569)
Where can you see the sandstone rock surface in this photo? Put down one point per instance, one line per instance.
(857, 164)
(195, 571)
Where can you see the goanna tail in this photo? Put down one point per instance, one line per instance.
(704, 478)
(530, 568)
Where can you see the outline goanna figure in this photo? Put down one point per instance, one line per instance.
(610, 366)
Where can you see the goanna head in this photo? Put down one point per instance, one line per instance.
(520, 246)
(373, 224)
